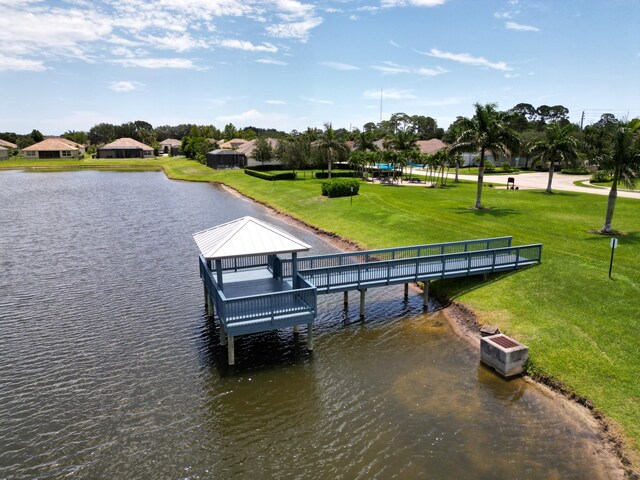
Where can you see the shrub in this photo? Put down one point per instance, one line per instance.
(340, 187)
(600, 177)
(489, 166)
(270, 176)
(334, 175)
(575, 171)
(506, 167)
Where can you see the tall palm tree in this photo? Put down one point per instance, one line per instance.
(365, 142)
(330, 145)
(485, 132)
(558, 145)
(622, 159)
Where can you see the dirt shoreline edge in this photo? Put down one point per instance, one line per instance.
(464, 322)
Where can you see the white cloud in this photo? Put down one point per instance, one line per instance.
(393, 44)
(339, 66)
(431, 72)
(503, 15)
(391, 94)
(157, 63)
(20, 64)
(125, 86)
(296, 30)
(248, 46)
(511, 75)
(413, 3)
(467, 59)
(318, 101)
(390, 68)
(271, 61)
(521, 28)
(178, 43)
(275, 102)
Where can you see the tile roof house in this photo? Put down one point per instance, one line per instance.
(53, 148)
(170, 145)
(4, 153)
(430, 146)
(125, 148)
(234, 143)
(5, 144)
(249, 147)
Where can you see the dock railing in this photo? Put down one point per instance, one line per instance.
(276, 308)
(378, 273)
(283, 266)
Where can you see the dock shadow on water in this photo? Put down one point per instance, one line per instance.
(109, 367)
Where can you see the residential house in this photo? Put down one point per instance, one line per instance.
(249, 147)
(53, 147)
(4, 153)
(232, 144)
(125, 148)
(226, 158)
(170, 145)
(8, 145)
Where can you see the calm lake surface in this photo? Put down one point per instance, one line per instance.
(109, 367)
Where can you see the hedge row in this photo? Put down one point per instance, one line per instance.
(270, 176)
(334, 175)
(340, 187)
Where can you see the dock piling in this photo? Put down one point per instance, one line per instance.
(223, 337)
(425, 294)
(210, 309)
(346, 300)
(310, 336)
(362, 295)
(231, 351)
(406, 292)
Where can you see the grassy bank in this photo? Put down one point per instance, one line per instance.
(582, 328)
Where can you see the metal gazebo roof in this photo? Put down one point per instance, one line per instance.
(245, 237)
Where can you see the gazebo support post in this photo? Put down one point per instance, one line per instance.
(294, 270)
(362, 295)
(231, 351)
(346, 300)
(210, 309)
(219, 271)
(310, 336)
(223, 336)
(406, 292)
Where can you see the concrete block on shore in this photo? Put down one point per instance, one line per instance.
(504, 354)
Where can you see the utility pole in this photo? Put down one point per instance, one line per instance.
(582, 120)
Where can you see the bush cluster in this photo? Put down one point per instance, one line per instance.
(334, 175)
(506, 167)
(270, 176)
(601, 177)
(340, 187)
(575, 171)
(489, 166)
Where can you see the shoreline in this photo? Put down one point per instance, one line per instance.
(464, 323)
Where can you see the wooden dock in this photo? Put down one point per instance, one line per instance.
(252, 289)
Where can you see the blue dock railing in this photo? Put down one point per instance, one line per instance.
(283, 266)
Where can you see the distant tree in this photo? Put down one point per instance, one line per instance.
(621, 157)
(263, 151)
(24, 141)
(486, 131)
(330, 145)
(294, 152)
(36, 136)
(365, 141)
(402, 140)
(102, 133)
(558, 145)
(78, 137)
(229, 132)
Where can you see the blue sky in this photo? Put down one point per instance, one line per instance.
(290, 64)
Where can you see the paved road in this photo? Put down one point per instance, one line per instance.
(539, 180)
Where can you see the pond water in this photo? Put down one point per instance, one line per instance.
(109, 367)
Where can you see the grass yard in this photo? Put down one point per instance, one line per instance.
(582, 328)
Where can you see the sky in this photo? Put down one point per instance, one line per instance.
(293, 64)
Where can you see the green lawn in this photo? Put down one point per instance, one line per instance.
(582, 328)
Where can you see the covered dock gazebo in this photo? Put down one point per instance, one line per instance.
(244, 282)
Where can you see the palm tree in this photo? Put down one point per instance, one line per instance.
(622, 159)
(558, 145)
(485, 132)
(365, 142)
(329, 143)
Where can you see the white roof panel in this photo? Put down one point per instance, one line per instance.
(244, 237)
